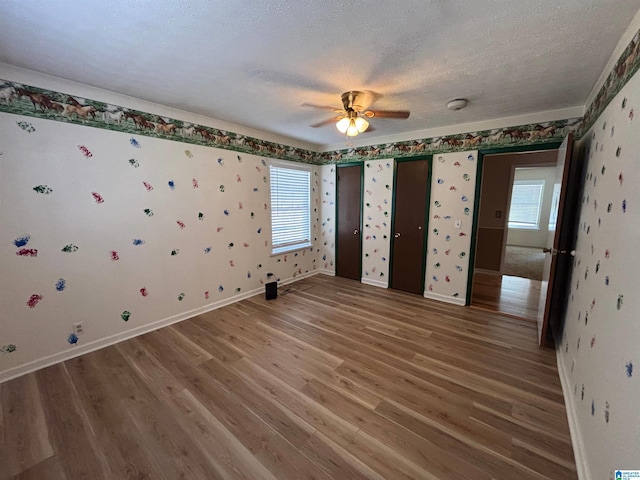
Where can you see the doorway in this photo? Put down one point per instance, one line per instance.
(513, 218)
(528, 215)
(349, 185)
(408, 242)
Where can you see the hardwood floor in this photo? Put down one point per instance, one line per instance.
(506, 294)
(336, 380)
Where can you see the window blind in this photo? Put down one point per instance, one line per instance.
(290, 208)
(526, 203)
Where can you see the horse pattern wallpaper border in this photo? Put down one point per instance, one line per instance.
(626, 66)
(32, 101)
(520, 135)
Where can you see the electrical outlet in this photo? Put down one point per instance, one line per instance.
(78, 328)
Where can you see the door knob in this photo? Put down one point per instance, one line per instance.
(555, 252)
(396, 235)
(355, 231)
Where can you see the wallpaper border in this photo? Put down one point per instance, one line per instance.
(27, 100)
(624, 69)
(21, 99)
(513, 136)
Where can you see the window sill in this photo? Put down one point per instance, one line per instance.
(290, 248)
(535, 229)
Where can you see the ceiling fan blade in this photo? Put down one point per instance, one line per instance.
(327, 122)
(387, 113)
(323, 107)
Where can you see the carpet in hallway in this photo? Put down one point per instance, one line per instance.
(526, 262)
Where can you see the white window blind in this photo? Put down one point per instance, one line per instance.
(526, 203)
(290, 207)
(555, 203)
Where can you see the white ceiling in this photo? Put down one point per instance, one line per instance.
(254, 62)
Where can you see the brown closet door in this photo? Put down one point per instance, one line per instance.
(408, 249)
(349, 238)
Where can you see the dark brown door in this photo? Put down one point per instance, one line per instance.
(408, 229)
(560, 244)
(348, 241)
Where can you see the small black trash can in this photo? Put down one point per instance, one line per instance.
(271, 290)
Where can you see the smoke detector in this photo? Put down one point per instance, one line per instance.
(457, 104)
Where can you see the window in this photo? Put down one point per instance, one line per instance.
(290, 207)
(555, 204)
(526, 203)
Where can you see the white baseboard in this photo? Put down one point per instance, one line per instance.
(324, 271)
(444, 298)
(289, 280)
(119, 337)
(572, 418)
(375, 283)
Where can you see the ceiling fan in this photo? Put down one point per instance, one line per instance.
(352, 118)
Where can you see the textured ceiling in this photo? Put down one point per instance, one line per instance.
(255, 62)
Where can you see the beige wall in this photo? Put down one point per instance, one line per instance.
(494, 198)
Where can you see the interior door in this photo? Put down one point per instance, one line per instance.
(349, 218)
(408, 228)
(560, 243)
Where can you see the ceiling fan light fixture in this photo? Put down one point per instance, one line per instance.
(352, 125)
(352, 119)
(361, 124)
(343, 124)
(352, 130)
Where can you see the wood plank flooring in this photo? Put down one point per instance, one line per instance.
(337, 380)
(506, 294)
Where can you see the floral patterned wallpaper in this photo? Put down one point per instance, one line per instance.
(325, 243)
(120, 232)
(69, 203)
(377, 197)
(453, 182)
(600, 351)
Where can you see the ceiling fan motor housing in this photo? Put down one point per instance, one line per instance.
(349, 98)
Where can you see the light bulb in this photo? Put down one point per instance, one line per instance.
(352, 131)
(343, 124)
(361, 124)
